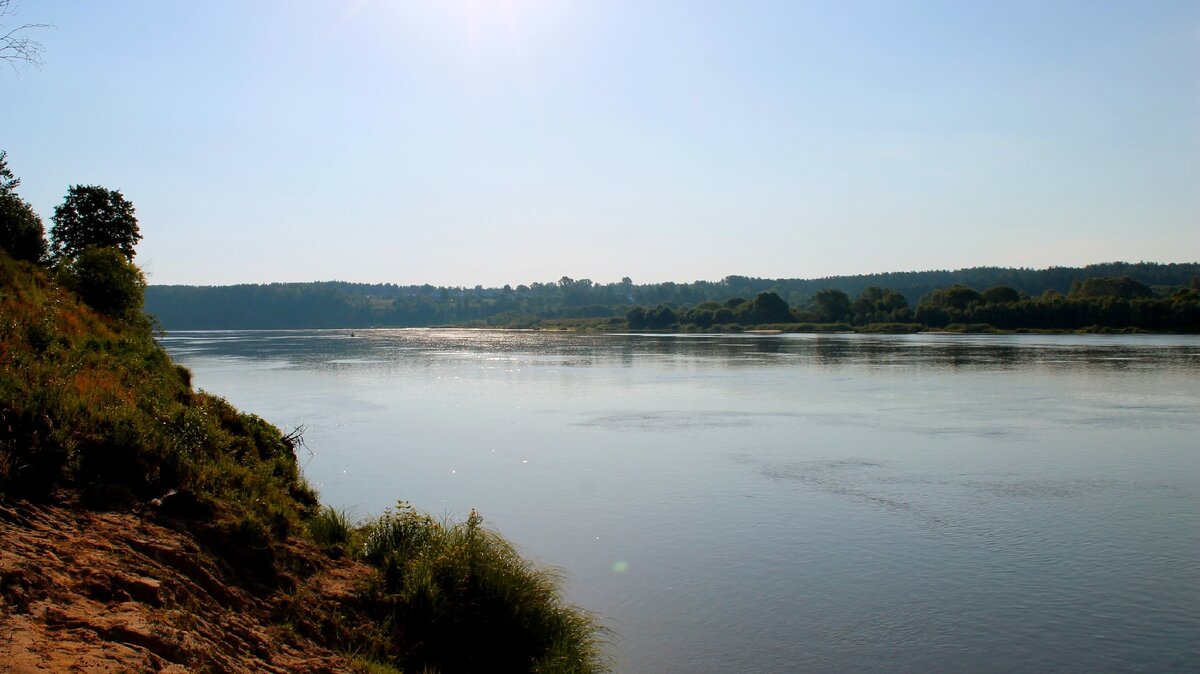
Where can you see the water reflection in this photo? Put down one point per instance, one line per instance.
(367, 347)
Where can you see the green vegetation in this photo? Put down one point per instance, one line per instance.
(581, 302)
(21, 231)
(93, 217)
(106, 282)
(1095, 304)
(92, 402)
(456, 597)
(92, 409)
(469, 602)
(332, 530)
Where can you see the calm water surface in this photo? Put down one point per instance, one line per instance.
(783, 503)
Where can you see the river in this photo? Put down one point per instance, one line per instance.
(786, 503)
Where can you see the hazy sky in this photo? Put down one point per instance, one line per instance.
(464, 142)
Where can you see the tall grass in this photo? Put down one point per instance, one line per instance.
(466, 600)
(331, 530)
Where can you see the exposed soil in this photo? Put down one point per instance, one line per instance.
(88, 591)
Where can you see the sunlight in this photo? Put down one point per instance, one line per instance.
(478, 20)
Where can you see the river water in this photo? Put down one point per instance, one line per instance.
(788, 503)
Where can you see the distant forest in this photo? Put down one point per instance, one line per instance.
(895, 297)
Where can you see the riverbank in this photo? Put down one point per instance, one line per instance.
(138, 590)
(150, 526)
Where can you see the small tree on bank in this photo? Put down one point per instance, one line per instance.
(93, 216)
(21, 231)
(22, 234)
(106, 281)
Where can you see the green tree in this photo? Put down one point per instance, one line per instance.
(661, 316)
(956, 297)
(21, 231)
(770, 308)
(1102, 286)
(877, 305)
(1000, 294)
(91, 215)
(8, 182)
(832, 305)
(636, 318)
(702, 317)
(107, 282)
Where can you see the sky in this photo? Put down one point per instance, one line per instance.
(485, 142)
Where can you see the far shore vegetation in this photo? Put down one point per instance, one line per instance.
(1113, 297)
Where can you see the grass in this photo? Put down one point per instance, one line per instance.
(332, 530)
(468, 601)
(89, 401)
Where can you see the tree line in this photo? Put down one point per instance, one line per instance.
(1105, 302)
(1094, 303)
(733, 301)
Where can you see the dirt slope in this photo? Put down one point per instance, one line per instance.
(86, 591)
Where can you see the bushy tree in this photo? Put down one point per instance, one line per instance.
(770, 308)
(880, 305)
(956, 297)
(1103, 286)
(832, 305)
(106, 281)
(661, 316)
(1000, 295)
(21, 230)
(93, 216)
(636, 318)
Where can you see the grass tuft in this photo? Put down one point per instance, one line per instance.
(466, 600)
(331, 530)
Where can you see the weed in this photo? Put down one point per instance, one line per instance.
(465, 599)
(331, 530)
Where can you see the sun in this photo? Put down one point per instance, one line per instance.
(478, 20)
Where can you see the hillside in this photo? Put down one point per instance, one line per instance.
(148, 526)
(335, 304)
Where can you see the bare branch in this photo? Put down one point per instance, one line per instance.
(15, 48)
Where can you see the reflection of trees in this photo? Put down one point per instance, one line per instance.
(532, 349)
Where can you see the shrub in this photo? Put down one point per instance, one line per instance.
(21, 231)
(107, 282)
(466, 601)
(331, 530)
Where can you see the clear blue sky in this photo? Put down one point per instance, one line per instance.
(464, 142)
